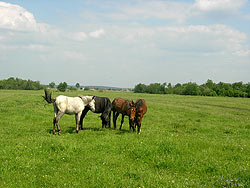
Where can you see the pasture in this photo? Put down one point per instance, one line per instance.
(185, 142)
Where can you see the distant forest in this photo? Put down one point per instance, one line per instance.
(238, 89)
(17, 83)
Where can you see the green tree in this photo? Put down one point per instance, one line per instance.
(169, 86)
(140, 88)
(1, 84)
(52, 84)
(77, 85)
(17, 83)
(62, 86)
(191, 89)
(156, 88)
(248, 89)
(178, 89)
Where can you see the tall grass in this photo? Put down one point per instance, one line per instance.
(185, 142)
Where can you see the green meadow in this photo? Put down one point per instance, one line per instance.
(186, 141)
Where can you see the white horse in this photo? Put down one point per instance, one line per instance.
(68, 105)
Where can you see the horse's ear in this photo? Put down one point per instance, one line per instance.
(128, 105)
(133, 103)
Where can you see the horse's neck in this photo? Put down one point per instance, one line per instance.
(86, 99)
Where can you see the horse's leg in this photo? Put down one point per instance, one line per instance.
(122, 121)
(109, 126)
(103, 122)
(84, 112)
(139, 124)
(114, 119)
(54, 122)
(131, 125)
(115, 115)
(58, 117)
(78, 117)
(135, 123)
(54, 119)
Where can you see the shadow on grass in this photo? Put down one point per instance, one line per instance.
(123, 131)
(50, 131)
(73, 129)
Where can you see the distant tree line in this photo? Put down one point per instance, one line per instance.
(238, 89)
(17, 83)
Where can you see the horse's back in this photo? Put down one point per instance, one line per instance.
(118, 104)
(69, 105)
(102, 104)
(141, 106)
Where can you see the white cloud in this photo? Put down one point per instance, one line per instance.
(215, 5)
(15, 17)
(197, 39)
(215, 29)
(142, 10)
(97, 33)
(78, 36)
(168, 10)
(82, 36)
(209, 38)
(32, 47)
(37, 47)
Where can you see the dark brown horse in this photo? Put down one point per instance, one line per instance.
(99, 105)
(125, 107)
(141, 109)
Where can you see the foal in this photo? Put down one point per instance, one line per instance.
(125, 107)
(141, 109)
(67, 105)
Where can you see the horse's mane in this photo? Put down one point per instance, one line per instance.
(139, 103)
(86, 99)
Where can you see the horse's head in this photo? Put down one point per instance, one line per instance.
(132, 115)
(132, 110)
(90, 102)
(105, 116)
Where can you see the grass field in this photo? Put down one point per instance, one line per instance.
(185, 142)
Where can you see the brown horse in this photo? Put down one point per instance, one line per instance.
(125, 107)
(141, 109)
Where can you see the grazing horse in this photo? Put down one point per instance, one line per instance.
(100, 105)
(141, 109)
(67, 105)
(125, 107)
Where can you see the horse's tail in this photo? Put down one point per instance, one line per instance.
(47, 96)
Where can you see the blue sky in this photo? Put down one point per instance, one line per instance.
(123, 43)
